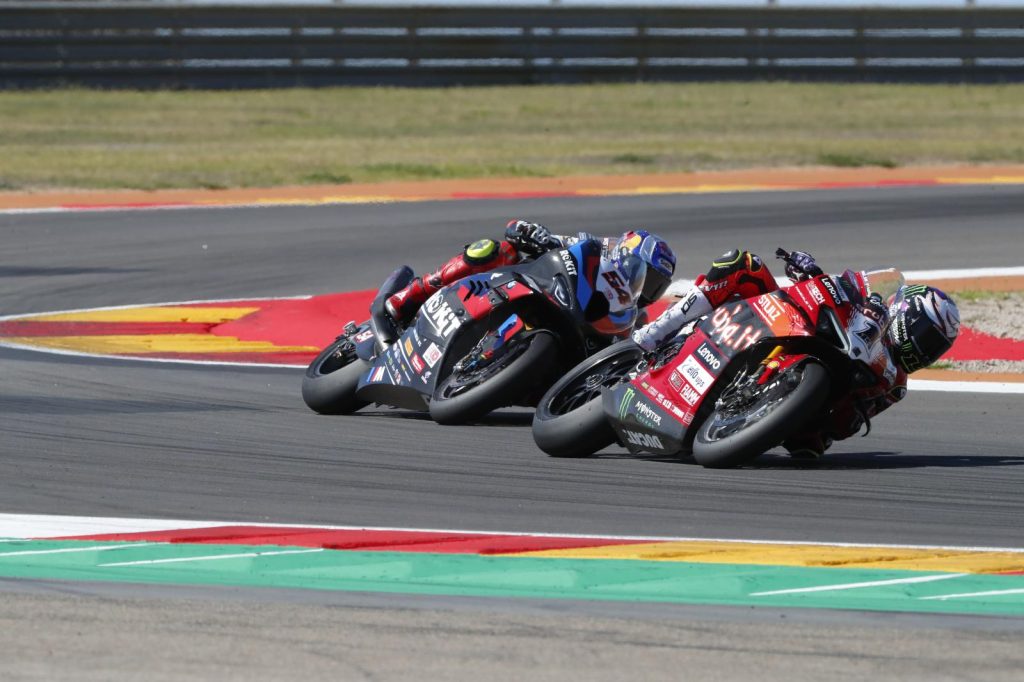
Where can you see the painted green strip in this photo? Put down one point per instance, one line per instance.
(496, 576)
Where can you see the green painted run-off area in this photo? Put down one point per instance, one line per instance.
(509, 576)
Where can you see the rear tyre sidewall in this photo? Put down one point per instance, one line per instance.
(504, 388)
(585, 430)
(334, 392)
(797, 408)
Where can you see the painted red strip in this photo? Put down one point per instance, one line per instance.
(127, 205)
(975, 345)
(512, 195)
(861, 184)
(310, 322)
(362, 540)
(30, 328)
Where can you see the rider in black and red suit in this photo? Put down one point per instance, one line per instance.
(525, 241)
(920, 332)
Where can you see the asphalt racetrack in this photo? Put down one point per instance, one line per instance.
(121, 438)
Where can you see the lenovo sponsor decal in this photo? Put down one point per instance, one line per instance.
(710, 357)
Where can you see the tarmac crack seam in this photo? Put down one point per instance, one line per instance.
(854, 586)
(211, 557)
(990, 593)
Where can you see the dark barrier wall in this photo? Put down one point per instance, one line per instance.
(124, 45)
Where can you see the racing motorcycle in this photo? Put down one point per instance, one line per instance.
(487, 341)
(744, 379)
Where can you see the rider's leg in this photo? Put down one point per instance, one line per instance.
(477, 257)
(738, 274)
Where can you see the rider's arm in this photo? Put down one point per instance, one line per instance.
(531, 238)
(736, 274)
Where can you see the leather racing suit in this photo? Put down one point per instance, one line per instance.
(523, 241)
(740, 274)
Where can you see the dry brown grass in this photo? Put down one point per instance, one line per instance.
(94, 139)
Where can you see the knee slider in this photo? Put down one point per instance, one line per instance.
(726, 264)
(481, 252)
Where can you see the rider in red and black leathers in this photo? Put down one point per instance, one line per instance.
(525, 241)
(740, 274)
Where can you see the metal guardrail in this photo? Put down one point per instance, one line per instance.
(143, 45)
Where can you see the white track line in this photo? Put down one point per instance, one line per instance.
(211, 557)
(103, 548)
(54, 525)
(964, 273)
(38, 526)
(989, 593)
(857, 586)
(966, 386)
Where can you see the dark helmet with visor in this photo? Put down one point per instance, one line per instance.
(660, 260)
(924, 325)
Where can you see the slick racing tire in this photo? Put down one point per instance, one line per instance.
(454, 404)
(329, 386)
(570, 419)
(723, 442)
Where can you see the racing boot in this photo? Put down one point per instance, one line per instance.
(477, 257)
(807, 446)
(692, 305)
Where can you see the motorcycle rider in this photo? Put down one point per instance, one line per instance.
(636, 268)
(922, 328)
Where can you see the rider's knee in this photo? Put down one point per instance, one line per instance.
(482, 252)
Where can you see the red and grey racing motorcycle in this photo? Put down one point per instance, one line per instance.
(487, 341)
(747, 377)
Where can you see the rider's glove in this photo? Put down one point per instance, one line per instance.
(529, 237)
(801, 265)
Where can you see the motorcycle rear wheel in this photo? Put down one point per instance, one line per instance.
(570, 419)
(512, 379)
(716, 447)
(329, 386)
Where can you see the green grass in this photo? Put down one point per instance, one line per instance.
(974, 296)
(97, 139)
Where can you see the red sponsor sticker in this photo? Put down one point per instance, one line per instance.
(417, 363)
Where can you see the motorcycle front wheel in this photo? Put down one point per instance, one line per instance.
(329, 386)
(570, 419)
(730, 437)
(463, 397)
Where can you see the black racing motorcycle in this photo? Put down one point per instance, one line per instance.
(487, 341)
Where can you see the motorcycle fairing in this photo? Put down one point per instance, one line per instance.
(680, 387)
(639, 414)
(406, 372)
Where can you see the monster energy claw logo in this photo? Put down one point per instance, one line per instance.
(627, 398)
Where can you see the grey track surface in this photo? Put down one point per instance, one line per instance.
(132, 439)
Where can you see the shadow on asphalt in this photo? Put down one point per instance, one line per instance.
(522, 418)
(845, 461)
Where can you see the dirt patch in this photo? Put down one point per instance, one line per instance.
(1001, 314)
